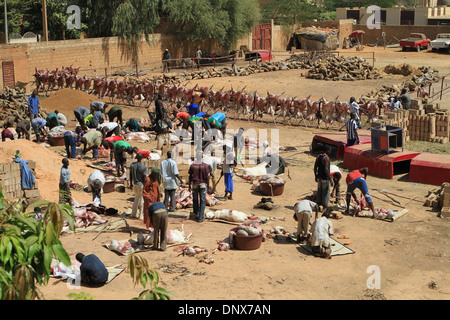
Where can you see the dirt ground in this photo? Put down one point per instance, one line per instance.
(412, 253)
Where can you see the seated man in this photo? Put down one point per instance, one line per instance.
(93, 271)
(395, 104)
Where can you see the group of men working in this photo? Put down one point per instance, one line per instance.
(328, 179)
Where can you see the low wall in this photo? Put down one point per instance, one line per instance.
(400, 32)
(93, 55)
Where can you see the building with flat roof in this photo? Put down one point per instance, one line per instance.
(429, 13)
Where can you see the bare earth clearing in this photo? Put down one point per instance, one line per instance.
(412, 252)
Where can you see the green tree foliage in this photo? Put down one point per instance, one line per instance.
(57, 20)
(26, 15)
(142, 274)
(27, 246)
(191, 20)
(134, 18)
(289, 12)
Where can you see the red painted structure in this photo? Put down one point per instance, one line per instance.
(379, 164)
(338, 142)
(430, 168)
(261, 37)
(259, 55)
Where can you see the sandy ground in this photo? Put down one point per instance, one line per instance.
(412, 253)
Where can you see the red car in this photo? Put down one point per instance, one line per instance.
(259, 55)
(416, 41)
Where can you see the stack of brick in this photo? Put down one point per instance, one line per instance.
(445, 201)
(10, 181)
(398, 118)
(429, 127)
(417, 107)
(442, 127)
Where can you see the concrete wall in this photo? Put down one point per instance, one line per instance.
(93, 55)
(400, 32)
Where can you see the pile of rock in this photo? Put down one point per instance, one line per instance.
(342, 68)
(13, 107)
(438, 198)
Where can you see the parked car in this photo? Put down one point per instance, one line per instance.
(259, 56)
(442, 42)
(416, 41)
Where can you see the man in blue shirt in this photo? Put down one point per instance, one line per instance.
(93, 271)
(38, 125)
(193, 109)
(218, 121)
(33, 104)
(71, 138)
(81, 113)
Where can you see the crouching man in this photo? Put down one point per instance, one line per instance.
(322, 229)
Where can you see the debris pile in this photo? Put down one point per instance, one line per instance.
(438, 198)
(342, 68)
(13, 107)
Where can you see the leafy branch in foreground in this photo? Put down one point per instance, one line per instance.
(143, 274)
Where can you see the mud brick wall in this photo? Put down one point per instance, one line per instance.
(10, 182)
(93, 55)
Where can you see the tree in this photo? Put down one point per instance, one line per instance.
(57, 20)
(134, 18)
(289, 12)
(27, 246)
(200, 20)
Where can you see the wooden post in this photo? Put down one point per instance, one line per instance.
(442, 87)
(44, 20)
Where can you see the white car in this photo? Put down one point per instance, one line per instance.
(442, 41)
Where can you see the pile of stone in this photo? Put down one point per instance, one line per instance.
(13, 107)
(416, 80)
(342, 68)
(438, 198)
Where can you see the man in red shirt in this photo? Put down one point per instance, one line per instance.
(6, 133)
(183, 117)
(356, 179)
(199, 178)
